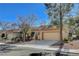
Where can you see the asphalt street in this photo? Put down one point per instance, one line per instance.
(8, 50)
(20, 51)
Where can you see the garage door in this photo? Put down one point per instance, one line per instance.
(51, 36)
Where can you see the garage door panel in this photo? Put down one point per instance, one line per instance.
(51, 36)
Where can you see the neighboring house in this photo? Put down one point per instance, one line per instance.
(9, 34)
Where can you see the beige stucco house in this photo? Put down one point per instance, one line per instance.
(41, 33)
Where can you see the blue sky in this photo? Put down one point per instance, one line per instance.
(9, 11)
(75, 9)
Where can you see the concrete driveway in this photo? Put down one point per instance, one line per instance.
(42, 42)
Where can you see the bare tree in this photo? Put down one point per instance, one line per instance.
(4, 25)
(26, 23)
(13, 26)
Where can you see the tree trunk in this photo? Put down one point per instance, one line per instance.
(61, 25)
(61, 36)
(24, 37)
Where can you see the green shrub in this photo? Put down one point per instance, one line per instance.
(65, 40)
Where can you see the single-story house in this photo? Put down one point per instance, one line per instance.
(40, 33)
(9, 34)
(50, 34)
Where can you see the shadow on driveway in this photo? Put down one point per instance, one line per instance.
(58, 43)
